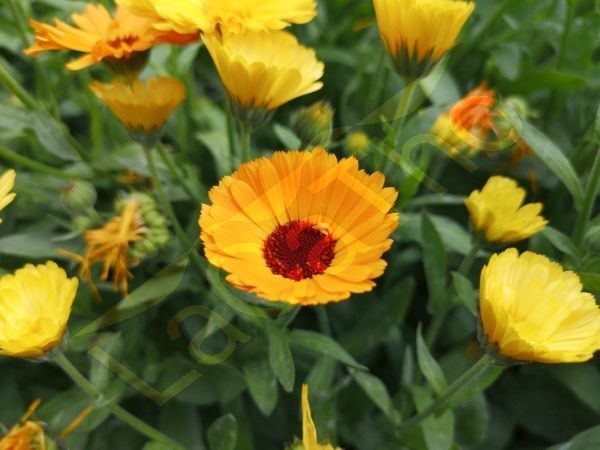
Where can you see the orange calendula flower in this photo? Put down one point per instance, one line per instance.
(141, 106)
(300, 227)
(121, 41)
(26, 435)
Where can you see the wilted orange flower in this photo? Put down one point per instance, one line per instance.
(102, 37)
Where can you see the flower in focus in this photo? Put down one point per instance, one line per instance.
(418, 33)
(141, 106)
(314, 124)
(7, 183)
(263, 70)
(300, 227)
(498, 212)
(35, 304)
(121, 41)
(26, 435)
(227, 16)
(309, 431)
(533, 310)
(136, 233)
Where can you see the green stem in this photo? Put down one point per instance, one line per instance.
(245, 141)
(231, 137)
(21, 28)
(36, 166)
(470, 257)
(13, 86)
(591, 192)
(459, 385)
(380, 72)
(124, 415)
(178, 174)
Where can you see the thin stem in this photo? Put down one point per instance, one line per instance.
(124, 415)
(231, 137)
(178, 174)
(245, 140)
(591, 192)
(470, 257)
(36, 165)
(380, 72)
(459, 385)
(13, 86)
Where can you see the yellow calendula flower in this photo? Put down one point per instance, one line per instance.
(533, 310)
(418, 33)
(300, 227)
(35, 304)
(142, 106)
(7, 183)
(223, 16)
(497, 211)
(121, 41)
(309, 431)
(263, 70)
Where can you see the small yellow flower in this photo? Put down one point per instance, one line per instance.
(498, 212)
(7, 183)
(450, 137)
(418, 33)
(120, 40)
(263, 70)
(35, 304)
(141, 106)
(533, 310)
(300, 227)
(227, 16)
(309, 431)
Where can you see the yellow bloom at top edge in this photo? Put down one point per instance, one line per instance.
(102, 37)
(264, 70)
(533, 310)
(141, 105)
(498, 212)
(418, 33)
(300, 227)
(309, 431)
(35, 304)
(224, 16)
(7, 183)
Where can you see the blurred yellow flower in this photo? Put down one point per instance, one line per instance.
(498, 212)
(121, 41)
(450, 137)
(7, 183)
(223, 16)
(263, 70)
(35, 304)
(300, 227)
(356, 143)
(26, 435)
(533, 310)
(141, 106)
(418, 33)
(309, 431)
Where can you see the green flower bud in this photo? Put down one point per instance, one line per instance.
(314, 125)
(79, 196)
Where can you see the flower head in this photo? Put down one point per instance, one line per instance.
(418, 33)
(498, 212)
(313, 124)
(141, 106)
(227, 16)
(533, 310)
(7, 183)
(26, 435)
(263, 70)
(356, 143)
(300, 227)
(309, 431)
(121, 41)
(35, 304)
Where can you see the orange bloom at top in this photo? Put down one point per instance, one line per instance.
(102, 37)
(475, 111)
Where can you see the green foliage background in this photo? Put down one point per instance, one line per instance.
(546, 51)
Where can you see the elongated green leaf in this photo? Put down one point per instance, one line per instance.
(562, 242)
(465, 292)
(377, 391)
(262, 385)
(52, 135)
(438, 431)
(286, 136)
(587, 440)
(280, 356)
(29, 245)
(436, 265)
(429, 366)
(320, 343)
(222, 434)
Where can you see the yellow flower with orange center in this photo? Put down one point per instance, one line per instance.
(309, 431)
(418, 33)
(141, 106)
(227, 16)
(533, 310)
(300, 227)
(121, 41)
(7, 183)
(35, 304)
(498, 212)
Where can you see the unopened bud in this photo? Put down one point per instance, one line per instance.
(79, 196)
(314, 124)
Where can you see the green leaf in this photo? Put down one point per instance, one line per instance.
(262, 385)
(320, 343)
(465, 292)
(508, 60)
(562, 242)
(437, 431)
(435, 260)
(429, 366)
(52, 135)
(377, 391)
(591, 281)
(581, 379)
(111, 343)
(587, 440)
(287, 137)
(472, 420)
(549, 154)
(280, 356)
(222, 434)
(29, 245)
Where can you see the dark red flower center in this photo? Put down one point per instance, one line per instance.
(298, 250)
